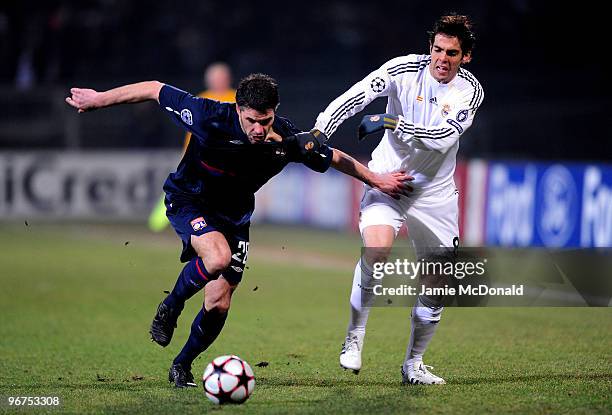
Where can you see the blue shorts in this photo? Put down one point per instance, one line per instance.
(191, 218)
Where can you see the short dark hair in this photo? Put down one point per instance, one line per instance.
(258, 91)
(456, 25)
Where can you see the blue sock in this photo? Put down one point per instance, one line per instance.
(205, 328)
(192, 279)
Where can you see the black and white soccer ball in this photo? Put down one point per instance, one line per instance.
(228, 379)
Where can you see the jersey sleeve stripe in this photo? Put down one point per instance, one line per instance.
(337, 115)
(408, 67)
(437, 137)
(420, 132)
(478, 92)
(345, 103)
(402, 68)
(402, 65)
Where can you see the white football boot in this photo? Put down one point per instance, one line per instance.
(350, 356)
(418, 374)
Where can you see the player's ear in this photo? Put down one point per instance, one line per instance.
(466, 58)
(237, 108)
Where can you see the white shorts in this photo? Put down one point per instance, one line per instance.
(432, 220)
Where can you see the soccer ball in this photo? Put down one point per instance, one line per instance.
(228, 379)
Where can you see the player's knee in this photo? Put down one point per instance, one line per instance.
(218, 260)
(373, 256)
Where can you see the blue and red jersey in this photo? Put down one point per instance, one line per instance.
(221, 169)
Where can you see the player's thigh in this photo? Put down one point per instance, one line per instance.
(434, 225)
(378, 209)
(380, 220)
(214, 250)
(199, 232)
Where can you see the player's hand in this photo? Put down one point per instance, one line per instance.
(394, 184)
(84, 99)
(308, 143)
(374, 123)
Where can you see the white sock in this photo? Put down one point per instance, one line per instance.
(361, 300)
(424, 322)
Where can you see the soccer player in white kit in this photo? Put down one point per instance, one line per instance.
(431, 102)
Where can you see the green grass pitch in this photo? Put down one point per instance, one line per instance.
(76, 303)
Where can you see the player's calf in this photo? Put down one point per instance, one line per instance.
(218, 295)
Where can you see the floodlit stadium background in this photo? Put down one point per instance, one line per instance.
(544, 108)
(81, 273)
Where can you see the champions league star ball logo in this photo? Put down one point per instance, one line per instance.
(375, 118)
(187, 117)
(378, 84)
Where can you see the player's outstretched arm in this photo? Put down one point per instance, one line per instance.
(89, 99)
(394, 184)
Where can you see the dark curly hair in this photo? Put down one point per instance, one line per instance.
(258, 91)
(456, 25)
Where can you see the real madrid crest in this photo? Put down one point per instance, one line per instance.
(446, 108)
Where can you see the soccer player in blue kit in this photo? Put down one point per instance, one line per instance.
(210, 198)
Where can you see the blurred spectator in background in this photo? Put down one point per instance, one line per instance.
(218, 82)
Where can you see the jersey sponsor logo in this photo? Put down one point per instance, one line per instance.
(237, 142)
(446, 109)
(198, 224)
(187, 117)
(433, 100)
(462, 115)
(378, 84)
(455, 124)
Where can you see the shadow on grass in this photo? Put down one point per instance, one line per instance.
(313, 382)
(529, 378)
(345, 386)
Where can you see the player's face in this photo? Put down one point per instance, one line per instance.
(256, 125)
(446, 57)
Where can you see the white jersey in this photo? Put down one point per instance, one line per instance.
(432, 117)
